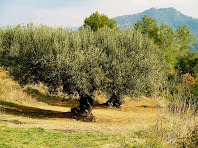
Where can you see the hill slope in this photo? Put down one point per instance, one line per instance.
(170, 16)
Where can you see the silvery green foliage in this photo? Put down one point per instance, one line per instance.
(109, 60)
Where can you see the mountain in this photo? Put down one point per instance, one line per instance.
(170, 16)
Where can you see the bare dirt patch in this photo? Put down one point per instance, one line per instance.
(65, 130)
(13, 121)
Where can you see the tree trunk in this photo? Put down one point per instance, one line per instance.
(85, 108)
(114, 101)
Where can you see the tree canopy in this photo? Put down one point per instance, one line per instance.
(97, 20)
(117, 63)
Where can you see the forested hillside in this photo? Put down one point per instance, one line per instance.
(170, 16)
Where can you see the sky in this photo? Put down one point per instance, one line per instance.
(73, 12)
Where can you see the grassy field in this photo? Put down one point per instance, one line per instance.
(39, 137)
(30, 118)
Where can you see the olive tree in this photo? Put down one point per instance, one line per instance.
(117, 63)
(135, 65)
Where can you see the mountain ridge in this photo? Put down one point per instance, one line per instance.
(170, 16)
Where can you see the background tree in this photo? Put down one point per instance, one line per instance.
(148, 26)
(188, 63)
(96, 21)
(174, 44)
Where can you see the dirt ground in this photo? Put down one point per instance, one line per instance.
(130, 117)
(30, 112)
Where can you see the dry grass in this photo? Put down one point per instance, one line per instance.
(177, 124)
(10, 91)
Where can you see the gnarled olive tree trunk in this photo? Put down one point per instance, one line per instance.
(85, 108)
(114, 101)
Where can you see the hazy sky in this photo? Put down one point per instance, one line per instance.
(73, 12)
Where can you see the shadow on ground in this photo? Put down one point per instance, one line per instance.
(32, 112)
(57, 101)
(51, 100)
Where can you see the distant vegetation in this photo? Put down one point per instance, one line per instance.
(169, 16)
(182, 64)
(97, 20)
(174, 44)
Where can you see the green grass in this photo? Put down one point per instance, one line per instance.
(39, 137)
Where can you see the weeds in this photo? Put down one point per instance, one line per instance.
(180, 124)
